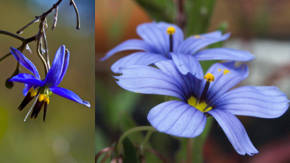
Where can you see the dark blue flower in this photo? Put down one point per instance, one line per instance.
(160, 40)
(43, 89)
(198, 97)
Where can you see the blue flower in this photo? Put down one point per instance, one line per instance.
(197, 98)
(160, 40)
(43, 89)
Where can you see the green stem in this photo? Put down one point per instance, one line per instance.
(146, 139)
(198, 143)
(127, 133)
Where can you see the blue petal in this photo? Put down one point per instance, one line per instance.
(139, 58)
(149, 80)
(64, 67)
(192, 44)
(54, 73)
(69, 95)
(154, 36)
(223, 83)
(234, 131)
(261, 101)
(132, 44)
(26, 89)
(177, 118)
(27, 79)
(187, 64)
(224, 54)
(25, 62)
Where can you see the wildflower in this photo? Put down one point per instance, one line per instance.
(199, 98)
(43, 89)
(161, 40)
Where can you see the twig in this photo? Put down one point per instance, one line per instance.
(72, 2)
(55, 18)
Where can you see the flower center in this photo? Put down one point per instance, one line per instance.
(201, 106)
(170, 32)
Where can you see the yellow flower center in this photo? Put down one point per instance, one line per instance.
(32, 92)
(171, 30)
(43, 97)
(197, 36)
(201, 106)
(209, 77)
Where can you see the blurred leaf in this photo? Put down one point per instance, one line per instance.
(130, 152)
(198, 14)
(3, 121)
(159, 10)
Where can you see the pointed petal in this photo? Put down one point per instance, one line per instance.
(133, 44)
(193, 44)
(224, 54)
(64, 67)
(149, 80)
(25, 62)
(235, 132)
(155, 37)
(257, 101)
(139, 58)
(27, 79)
(69, 95)
(224, 82)
(26, 89)
(187, 64)
(177, 118)
(56, 69)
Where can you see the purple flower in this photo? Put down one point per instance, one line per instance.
(199, 97)
(43, 89)
(160, 40)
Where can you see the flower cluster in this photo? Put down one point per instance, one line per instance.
(176, 72)
(39, 89)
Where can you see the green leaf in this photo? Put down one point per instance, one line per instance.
(159, 10)
(130, 152)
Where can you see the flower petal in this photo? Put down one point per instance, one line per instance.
(187, 64)
(54, 73)
(64, 67)
(133, 44)
(139, 58)
(27, 79)
(69, 95)
(224, 54)
(225, 81)
(26, 89)
(257, 101)
(192, 44)
(177, 118)
(234, 131)
(149, 80)
(155, 37)
(25, 62)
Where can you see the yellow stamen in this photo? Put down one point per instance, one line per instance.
(43, 97)
(32, 92)
(226, 71)
(219, 70)
(197, 36)
(209, 77)
(171, 30)
(201, 106)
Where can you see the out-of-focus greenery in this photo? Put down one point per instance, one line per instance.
(68, 132)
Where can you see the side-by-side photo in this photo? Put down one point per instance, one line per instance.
(195, 81)
(47, 76)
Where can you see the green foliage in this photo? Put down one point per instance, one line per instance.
(159, 10)
(130, 152)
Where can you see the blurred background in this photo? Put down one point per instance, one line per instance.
(68, 132)
(260, 26)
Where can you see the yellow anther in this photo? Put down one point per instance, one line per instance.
(197, 36)
(32, 92)
(226, 71)
(209, 77)
(201, 106)
(43, 97)
(171, 30)
(219, 70)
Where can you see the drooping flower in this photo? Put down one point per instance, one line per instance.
(40, 89)
(161, 40)
(198, 97)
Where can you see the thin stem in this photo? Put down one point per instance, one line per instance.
(72, 2)
(180, 19)
(146, 139)
(136, 129)
(12, 35)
